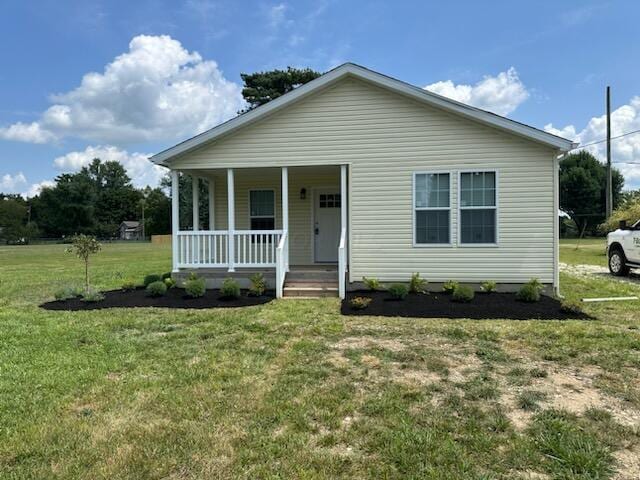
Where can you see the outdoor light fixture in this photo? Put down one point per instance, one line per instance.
(303, 193)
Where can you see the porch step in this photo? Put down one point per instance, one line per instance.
(312, 276)
(311, 291)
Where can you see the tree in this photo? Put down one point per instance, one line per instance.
(157, 212)
(84, 246)
(583, 190)
(262, 87)
(15, 226)
(185, 201)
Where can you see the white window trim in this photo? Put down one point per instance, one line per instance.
(496, 208)
(275, 206)
(414, 209)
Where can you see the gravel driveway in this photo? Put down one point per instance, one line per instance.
(598, 271)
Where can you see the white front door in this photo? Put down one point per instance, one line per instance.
(327, 225)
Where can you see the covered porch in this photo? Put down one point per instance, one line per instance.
(273, 220)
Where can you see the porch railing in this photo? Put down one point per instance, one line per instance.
(342, 263)
(210, 248)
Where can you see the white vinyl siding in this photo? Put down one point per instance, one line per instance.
(385, 137)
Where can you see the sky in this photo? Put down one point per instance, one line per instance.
(122, 80)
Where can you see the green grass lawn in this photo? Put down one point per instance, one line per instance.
(590, 251)
(292, 389)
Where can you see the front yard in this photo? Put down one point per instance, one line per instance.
(292, 389)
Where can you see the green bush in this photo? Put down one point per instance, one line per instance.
(230, 289)
(417, 284)
(372, 284)
(571, 307)
(92, 296)
(359, 303)
(398, 291)
(195, 286)
(166, 275)
(156, 289)
(488, 286)
(462, 293)
(169, 282)
(67, 293)
(128, 285)
(258, 285)
(528, 293)
(449, 286)
(151, 278)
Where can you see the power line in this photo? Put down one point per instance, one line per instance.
(604, 140)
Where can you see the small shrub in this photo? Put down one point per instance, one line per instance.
(128, 286)
(398, 291)
(67, 293)
(463, 294)
(488, 286)
(417, 284)
(169, 282)
(151, 278)
(372, 284)
(166, 275)
(359, 303)
(528, 293)
(449, 286)
(230, 289)
(92, 296)
(258, 285)
(571, 307)
(536, 372)
(156, 289)
(195, 286)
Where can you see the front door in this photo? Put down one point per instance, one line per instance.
(327, 225)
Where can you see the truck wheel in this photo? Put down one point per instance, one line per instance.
(618, 263)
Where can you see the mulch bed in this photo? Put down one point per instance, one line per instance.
(174, 298)
(440, 305)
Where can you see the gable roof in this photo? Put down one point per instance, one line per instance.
(384, 81)
(130, 224)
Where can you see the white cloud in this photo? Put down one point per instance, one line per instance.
(501, 94)
(624, 151)
(157, 90)
(12, 183)
(138, 167)
(36, 188)
(277, 15)
(26, 132)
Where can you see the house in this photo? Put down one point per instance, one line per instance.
(130, 230)
(358, 174)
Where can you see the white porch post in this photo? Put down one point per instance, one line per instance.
(195, 189)
(285, 211)
(212, 210)
(175, 217)
(343, 196)
(231, 222)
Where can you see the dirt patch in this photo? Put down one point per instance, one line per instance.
(438, 305)
(363, 343)
(628, 463)
(572, 390)
(174, 298)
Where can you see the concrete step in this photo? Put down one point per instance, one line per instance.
(312, 275)
(310, 283)
(310, 292)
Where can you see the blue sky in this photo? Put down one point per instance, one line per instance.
(165, 70)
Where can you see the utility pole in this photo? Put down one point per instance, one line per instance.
(609, 200)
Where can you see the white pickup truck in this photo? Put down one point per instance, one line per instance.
(623, 248)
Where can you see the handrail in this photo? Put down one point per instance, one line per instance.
(342, 263)
(281, 263)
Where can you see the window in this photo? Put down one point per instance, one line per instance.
(478, 208)
(432, 208)
(262, 209)
(329, 200)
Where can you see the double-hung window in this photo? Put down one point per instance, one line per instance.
(478, 208)
(262, 209)
(432, 208)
